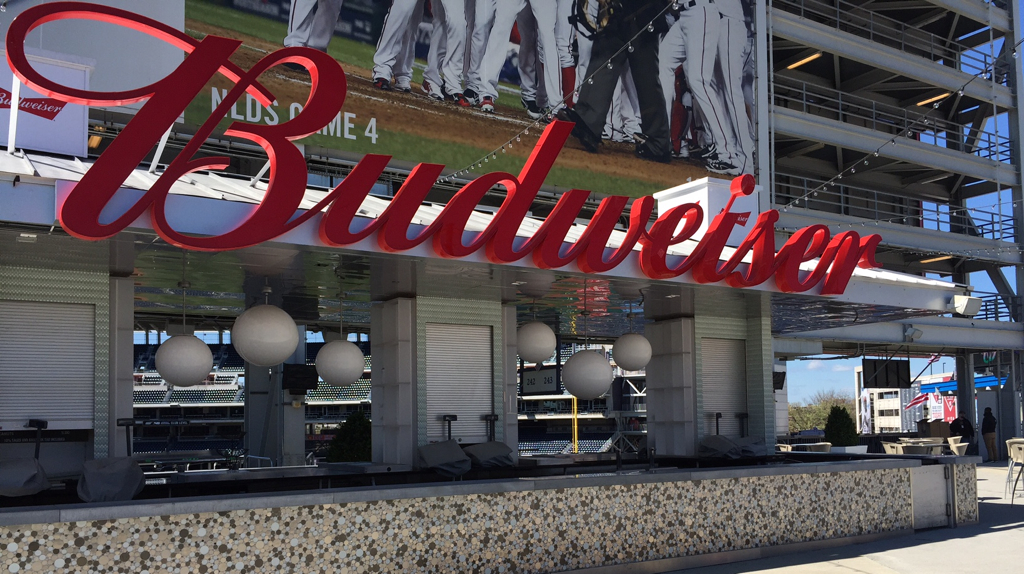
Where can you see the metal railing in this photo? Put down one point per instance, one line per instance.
(889, 119)
(853, 19)
(997, 307)
(875, 205)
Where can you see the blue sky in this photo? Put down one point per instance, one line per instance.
(804, 378)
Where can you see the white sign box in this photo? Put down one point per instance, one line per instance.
(712, 195)
(46, 124)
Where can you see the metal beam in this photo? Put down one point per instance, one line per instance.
(851, 136)
(926, 177)
(898, 235)
(799, 149)
(866, 80)
(828, 39)
(982, 12)
(936, 332)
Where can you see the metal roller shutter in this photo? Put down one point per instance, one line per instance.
(724, 380)
(47, 359)
(460, 380)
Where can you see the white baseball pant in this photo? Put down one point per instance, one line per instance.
(483, 21)
(700, 26)
(311, 23)
(399, 25)
(731, 41)
(671, 55)
(543, 11)
(451, 15)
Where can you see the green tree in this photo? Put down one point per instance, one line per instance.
(352, 443)
(839, 428)
(814, 414)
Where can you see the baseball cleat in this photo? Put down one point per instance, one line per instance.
(382, 84)
(471, 96)
(644, 152)
(723, 167)
(532, 109)
(487, 104)
(703, 152)
(403, 85)
(459, 100)
(683, 153)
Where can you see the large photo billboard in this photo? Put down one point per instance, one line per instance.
(662, 92)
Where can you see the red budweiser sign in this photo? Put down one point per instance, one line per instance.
(279, 212)
(46, 108)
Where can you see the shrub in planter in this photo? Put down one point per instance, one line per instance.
(840, 429)
(352, 443)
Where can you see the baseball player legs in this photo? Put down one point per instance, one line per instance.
(483, 20)
(392, 41)
(731, 41)
(453, 18)
(496, 51)
(564, 33)
(701, 25)
(311, 23)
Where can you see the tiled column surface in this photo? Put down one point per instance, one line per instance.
(966, 485)
(519, 526)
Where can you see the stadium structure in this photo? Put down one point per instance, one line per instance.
(887, 179)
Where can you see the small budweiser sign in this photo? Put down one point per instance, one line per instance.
(46, 108)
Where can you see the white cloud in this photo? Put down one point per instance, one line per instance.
(815, 365)
(840, 368)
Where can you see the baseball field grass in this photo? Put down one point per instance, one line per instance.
(413, 128)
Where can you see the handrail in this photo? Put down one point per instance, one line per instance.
(889, 119)
(873, 205)
(860, 21)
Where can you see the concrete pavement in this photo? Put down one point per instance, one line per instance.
(995, 544)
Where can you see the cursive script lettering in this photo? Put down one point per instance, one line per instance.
(279, 212)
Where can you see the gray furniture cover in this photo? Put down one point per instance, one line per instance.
(22, 477)
(109, 479)
(490, 455)
(445, 458)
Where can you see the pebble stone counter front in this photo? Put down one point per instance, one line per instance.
(537, 525)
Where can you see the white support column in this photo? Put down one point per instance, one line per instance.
(293, 414)
(263, 411)
(394, 381)
(671, 388)
(510, 410)
(122, 325)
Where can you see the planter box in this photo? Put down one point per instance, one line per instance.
(859, 449)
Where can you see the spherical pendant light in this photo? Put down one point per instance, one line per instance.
(632, 351)
(184, 360)
(535, 342)
(587, 375)
(264, 336)
(340, 363)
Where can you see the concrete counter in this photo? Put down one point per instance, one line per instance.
(671, 517)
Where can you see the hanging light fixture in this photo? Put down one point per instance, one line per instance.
(535, 341)
(340, 362)
(265, 335)
(587, 374)
(183, 360)
(632, 351)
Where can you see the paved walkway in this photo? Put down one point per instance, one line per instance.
(995, 544)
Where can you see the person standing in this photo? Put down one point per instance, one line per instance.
(962, 427)
(631, 36)
(988, 432)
